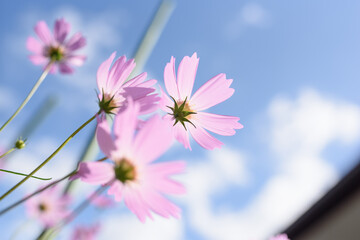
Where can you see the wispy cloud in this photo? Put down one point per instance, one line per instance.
(249, 16)
(300, 131)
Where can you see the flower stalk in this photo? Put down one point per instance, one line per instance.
(31, 93)
(50, 157)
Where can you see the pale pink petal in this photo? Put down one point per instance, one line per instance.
(103, 72)
(121, 73)
(75, 42)
(136, 80)
(115, 70)
(137, 92)
(161, 205)
(160, 173)
(214, 91)
(95, 172)
(203, 138)
(186, 75)
(280, 237)
(124, 126)
(43, 31)
(34, 46)
(144, 145)
(170, 79)
(103, 136)
(38, 59)
(136, 204)
(61, 29)
(65, 68)
(76, 60)
(220, 124)
(165, 101)
(182, 135)
(116, 189)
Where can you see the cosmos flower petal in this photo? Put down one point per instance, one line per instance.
(161, 205)
(214, 91)
(120, 72)
(203, 138)
(219, 124)
(139, 81)
(103, 72)
(43, 31)
(95, 172)
(170, 79)
(116, 189)
(165, 101)
(145, 147)
(103, 136)
(186, 75)
(34, 45)
(76, 60)
(161, 172)
(61, 30)
(54, 48)
(182, 135)
(65, 68)
(38, 59)
(75, 42)
(280, 237)
(125, 125)
(136, 204)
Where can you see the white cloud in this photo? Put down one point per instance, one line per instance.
(129, 227)
(300, 131)
(250, 15)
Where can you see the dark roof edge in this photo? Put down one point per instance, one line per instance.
(346, 187)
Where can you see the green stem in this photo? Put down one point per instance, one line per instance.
(35, 193)
(31, 93)
(49, 158)
(8, 152)
(23, 174)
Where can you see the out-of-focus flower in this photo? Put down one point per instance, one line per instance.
(55, 48)
(280, 237)
(85, 232)
(102, 201)
(49, 206)
(114, 90)
(132, 176)
(185, 111)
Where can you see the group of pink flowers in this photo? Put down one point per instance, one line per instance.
(132, 146)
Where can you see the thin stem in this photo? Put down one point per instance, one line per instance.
(35, 193)
(49, 158)
(23, 174)
(31, 93)
(8, 152)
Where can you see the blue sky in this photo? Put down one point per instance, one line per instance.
(295, 71)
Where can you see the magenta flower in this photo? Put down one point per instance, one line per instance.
(132, 176)
(85, 232)
(280, 237)
(55, 48)
(114, 90)
(185, 111)
(48, 206)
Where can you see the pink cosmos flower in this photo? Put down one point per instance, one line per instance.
(85, 232)
(55, 47)
(280, 237)
(114, 90)
(132, 176)
(48, 206)
(101, 201)
(185, 111)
